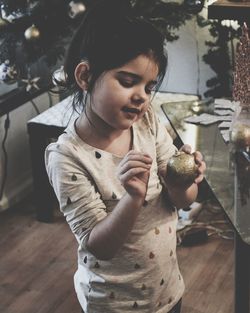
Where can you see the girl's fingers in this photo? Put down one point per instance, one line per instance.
(199, 179)
(133, 164)
(131, 173)
(186, 148)
(135, 156)
(202, 167)
(198, 156)
(200, 162)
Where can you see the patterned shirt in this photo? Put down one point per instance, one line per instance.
(144, 275)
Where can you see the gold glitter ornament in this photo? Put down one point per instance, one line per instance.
(240, 136)
(181, 168)
(32, 33)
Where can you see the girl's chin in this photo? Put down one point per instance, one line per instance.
(127, 126)
(124, 124)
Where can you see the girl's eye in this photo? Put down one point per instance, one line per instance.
(127, 83)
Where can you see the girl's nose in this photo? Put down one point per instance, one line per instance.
(139, 97)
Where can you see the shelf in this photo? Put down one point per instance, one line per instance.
(229, 10)
(17, 97)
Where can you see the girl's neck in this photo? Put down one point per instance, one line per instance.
(98, 134)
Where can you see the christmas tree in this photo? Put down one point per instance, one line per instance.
(33, 38)
(34, 33)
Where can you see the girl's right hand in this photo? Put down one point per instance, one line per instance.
(133, 173)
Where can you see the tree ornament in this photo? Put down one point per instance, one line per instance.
(194, 6)
(76, 8)
(32, 33)
(181, 168)
(59, 76)
(34, 6)
(8, 73)
(240, 136)
(12, 12)
(31, 83)
(4, 70)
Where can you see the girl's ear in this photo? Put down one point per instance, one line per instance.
(82, 75)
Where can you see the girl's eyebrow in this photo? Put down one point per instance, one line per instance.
(134, 76)
(125, 73)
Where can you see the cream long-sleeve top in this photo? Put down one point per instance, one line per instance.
(144, 275)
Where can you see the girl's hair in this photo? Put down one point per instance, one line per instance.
(109, 36)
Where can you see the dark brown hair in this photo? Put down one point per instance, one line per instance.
(109, 36)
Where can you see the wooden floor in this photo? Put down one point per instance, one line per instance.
(37, 262)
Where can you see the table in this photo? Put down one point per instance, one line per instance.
(232, 10)
(43, 129)
(225, 175)
(17, 97)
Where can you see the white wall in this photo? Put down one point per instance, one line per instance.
(187, 73)
(19, 179)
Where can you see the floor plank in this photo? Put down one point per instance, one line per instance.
(38, 261)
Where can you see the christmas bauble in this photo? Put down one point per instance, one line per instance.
(59, 76)
(240, 136)
(76, 8)
(11, 11)
(32, 33)
(194, 6)
(181, 168)
(8, 72)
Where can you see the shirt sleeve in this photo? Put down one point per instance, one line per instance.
(76, 192)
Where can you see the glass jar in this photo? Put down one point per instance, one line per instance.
(240, 130)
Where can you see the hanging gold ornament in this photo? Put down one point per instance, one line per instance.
(181, 168)
(240, 136)
(32, 33)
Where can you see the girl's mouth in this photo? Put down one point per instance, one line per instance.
(131, 110)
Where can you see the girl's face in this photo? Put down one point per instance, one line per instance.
(121, 96)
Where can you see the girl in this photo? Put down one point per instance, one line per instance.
(109, 167)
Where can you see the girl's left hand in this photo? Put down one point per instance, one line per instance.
(198, 160)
